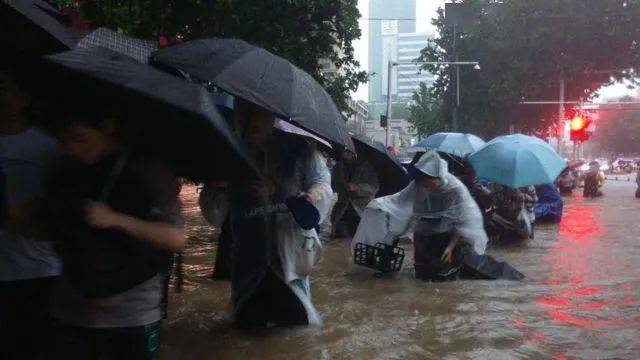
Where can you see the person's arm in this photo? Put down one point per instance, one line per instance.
(315, 182)
(447, 255)
(160, 234)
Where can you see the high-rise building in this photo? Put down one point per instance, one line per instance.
(388, 19)
(409, 76)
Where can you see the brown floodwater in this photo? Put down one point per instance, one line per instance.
(581, 299)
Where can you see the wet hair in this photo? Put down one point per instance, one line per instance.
(56, 114)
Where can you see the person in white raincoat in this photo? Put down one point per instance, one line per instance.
(272, 256)
(449, 236)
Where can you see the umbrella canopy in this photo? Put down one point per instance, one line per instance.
(517, 161)
(32, 29)
(390, 171)
(457, 144)
(258, 76)
(159, 113)
(48, 8)
(136, 48)
(292, 129)
(575, 164)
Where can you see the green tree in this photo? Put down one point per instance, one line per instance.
(301, 31)
(524, 48)
(425, 113)
(618, 131)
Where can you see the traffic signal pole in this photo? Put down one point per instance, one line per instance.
(456, 71)
(388, 135)
(561, 117)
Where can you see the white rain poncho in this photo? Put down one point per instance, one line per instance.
(390, 217)
(292, 251)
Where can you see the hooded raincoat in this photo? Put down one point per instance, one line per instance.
(266, 237)
(390, 217)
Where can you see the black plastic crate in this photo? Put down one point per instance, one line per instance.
(382, 257)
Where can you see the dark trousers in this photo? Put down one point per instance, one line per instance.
(273, 301)
(222, 266)
(130, 343)
(25, 331)
(428, 250)
(466, 264)
(344, 220)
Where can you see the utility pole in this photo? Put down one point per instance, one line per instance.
(388, 135)
(561, 117)
(455, 97)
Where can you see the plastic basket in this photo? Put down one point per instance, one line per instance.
(381, 257)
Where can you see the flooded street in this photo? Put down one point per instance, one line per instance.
(580, 300)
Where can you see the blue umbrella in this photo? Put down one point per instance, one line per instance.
(517, 161)
(457, 144)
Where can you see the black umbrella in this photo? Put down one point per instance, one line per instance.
(48, 8)
(136, 48)
(28, 28)
(390, 171)
(258, 76)
(161, 114)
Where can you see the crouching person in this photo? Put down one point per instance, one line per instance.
(118, 218)
(513, 217)
(449, 237)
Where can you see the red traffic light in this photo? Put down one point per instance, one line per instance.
(578, 123)
(578, 126)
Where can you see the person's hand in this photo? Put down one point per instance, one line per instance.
(100, 216)
(351, 187)
(308, 196)
(447, 255)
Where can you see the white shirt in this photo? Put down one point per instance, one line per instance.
(25, 158)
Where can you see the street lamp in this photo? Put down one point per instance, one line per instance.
(457, 64)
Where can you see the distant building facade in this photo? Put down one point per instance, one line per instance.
(357, 122)
(396, 17)
(409, 76)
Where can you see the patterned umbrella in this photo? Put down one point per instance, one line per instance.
(136, 48)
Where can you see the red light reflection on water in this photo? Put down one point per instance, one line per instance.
(580, 224)
(576, 261)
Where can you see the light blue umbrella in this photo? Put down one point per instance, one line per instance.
(517, 161)
(457, 144)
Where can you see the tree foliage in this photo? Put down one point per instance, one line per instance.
(425, 113)
(618, 131)
(302, 31)
(524, 48)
